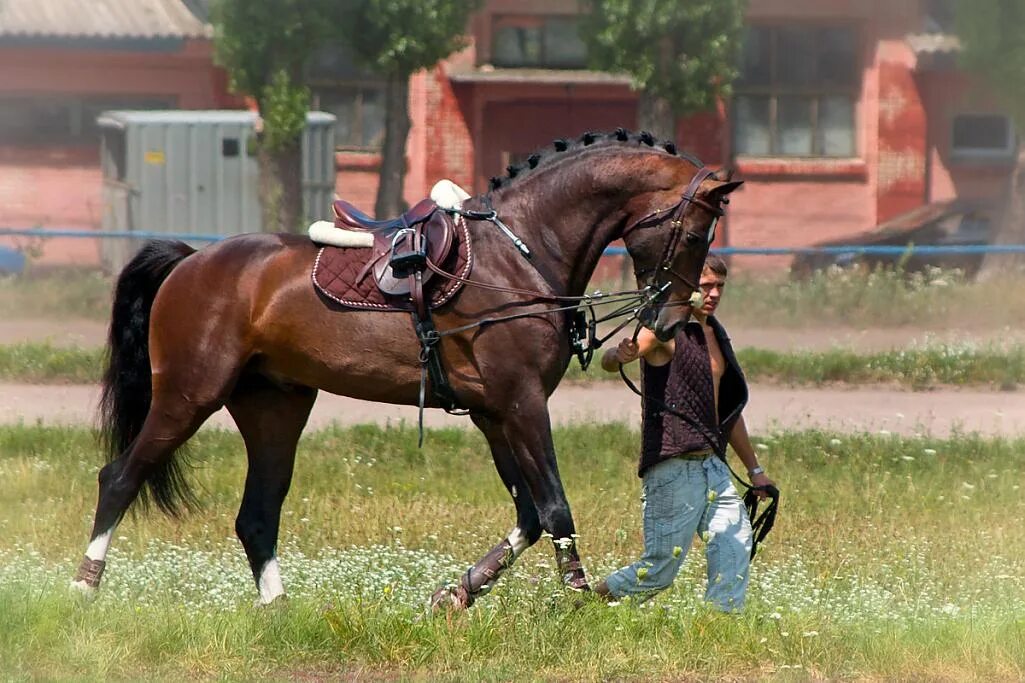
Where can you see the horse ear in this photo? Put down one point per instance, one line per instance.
(723, 189)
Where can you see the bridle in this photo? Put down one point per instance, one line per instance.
(674, 214)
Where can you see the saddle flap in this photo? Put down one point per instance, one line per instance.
(438, 234)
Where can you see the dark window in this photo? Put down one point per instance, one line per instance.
(983, 135)
(359, 113)
(550, 42)
(354, 95)
(229, 147)
(43, 120)
(796, 92)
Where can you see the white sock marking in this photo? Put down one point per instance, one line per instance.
(270, 581)
(98, 547)
(518, 541)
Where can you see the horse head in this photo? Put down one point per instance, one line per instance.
(669, 242)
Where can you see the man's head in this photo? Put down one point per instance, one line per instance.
(713, 282)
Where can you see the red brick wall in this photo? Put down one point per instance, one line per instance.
(62, 186)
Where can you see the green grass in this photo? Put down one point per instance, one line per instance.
(892, 559)
(915, 368)
(934, 300)
(56, 294)
(45, 363)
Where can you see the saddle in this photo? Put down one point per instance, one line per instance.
(401, 245)
(359, 271)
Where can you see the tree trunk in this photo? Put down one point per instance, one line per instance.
(281, 189)
(393, 155)
(1011, 226)
(656, 116)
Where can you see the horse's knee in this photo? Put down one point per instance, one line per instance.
(556, 518)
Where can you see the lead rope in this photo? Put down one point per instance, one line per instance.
(762, 524)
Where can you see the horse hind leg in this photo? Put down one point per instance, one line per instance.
(170, 422)
(271, 419)
(482, 576)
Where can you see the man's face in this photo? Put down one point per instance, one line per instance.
(712, 286)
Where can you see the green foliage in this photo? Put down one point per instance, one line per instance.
(400, 37)
(993, 48)
(684, 52)
(265, 45)
(283, 107)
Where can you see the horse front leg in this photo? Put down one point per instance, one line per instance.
(528, 431)
(523, 436)
(479, 579)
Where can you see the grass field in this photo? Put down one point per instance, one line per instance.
(893, 559)
(914, 368)
(932, 300)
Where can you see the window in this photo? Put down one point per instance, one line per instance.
(63, 120)
(359, 112)
(550, 42)
(982, 136)
(354, 95)
(796, 92)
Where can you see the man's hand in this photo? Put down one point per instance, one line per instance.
(761, 479)
(627, 351)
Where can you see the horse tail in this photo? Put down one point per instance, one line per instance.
(127, 380)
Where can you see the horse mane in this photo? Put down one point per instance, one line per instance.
(561, 148)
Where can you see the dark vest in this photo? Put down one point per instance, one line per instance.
(685, 385)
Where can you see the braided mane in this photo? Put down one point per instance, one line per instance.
(562, 147)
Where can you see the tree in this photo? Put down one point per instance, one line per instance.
(682, 56)
(395, 39)
(265, 45)
(993, 48)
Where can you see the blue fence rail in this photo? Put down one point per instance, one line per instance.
(13, 261)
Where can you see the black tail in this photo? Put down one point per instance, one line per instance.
(127, 381)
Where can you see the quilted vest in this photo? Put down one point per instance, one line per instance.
(685, 385)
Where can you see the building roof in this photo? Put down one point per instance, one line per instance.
(100, 19)
(124, 118)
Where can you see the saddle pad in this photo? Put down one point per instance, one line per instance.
(336, 268)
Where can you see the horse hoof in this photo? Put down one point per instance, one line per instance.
(450, 598)
(278, 601)
(81, 589)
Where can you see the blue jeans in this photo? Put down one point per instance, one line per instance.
(681, 498)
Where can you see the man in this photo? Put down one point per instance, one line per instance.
(686, 487)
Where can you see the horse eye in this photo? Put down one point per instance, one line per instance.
(693, 238)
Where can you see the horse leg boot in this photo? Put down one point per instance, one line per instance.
(479, 579)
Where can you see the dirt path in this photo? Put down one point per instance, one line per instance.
(899, 412)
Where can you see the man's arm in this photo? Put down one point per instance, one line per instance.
(741, 443)
(647, 347)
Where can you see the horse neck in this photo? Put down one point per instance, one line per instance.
(569, 228)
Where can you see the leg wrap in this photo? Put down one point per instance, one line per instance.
(90, 571)
(570, 567)
(478, 579)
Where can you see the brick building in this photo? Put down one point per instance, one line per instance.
(847, 112)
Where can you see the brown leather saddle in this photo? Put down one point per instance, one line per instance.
(402, 245)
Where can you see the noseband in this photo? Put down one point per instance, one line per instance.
(674, 214)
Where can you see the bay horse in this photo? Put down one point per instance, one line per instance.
(238, 324)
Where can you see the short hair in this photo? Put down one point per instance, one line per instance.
(716, 264)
